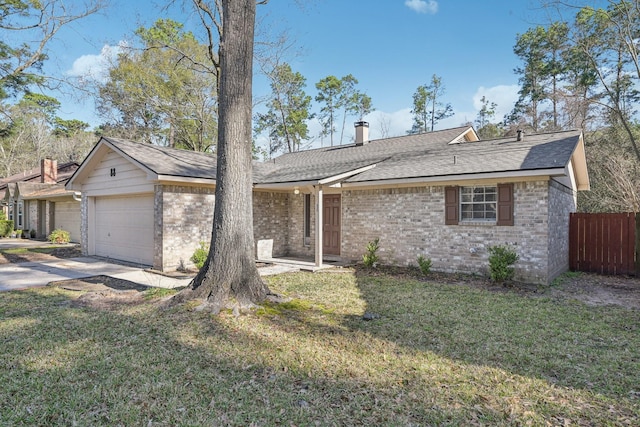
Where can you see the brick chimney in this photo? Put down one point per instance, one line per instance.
(48, 171)
(362, 133)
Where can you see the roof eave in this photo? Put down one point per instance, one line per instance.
(460, 177)
(49, 196)
(579, 163)
(284, 185)
(182, 179)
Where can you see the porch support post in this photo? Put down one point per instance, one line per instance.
(319, 222)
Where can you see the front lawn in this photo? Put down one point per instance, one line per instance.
(434, 354)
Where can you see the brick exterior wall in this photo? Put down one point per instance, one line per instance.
(272, 220)
(184, 218)
(410, 221)
(297, 247)
(562, 202)
(31, 210)
(84, 225)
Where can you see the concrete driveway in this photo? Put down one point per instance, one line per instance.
(33, 274)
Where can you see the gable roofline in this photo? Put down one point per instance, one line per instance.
(159, 163)
(95, 156)
(468, 135)
(579, 164)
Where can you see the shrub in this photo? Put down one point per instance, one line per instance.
(32, 234)
(18, 233)
(501, 259)
(200, 255)
(370, 258)
(6, 228)
(424, 264)
(3, 216)
(59, 236)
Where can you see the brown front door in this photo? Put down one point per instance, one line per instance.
(331, 227)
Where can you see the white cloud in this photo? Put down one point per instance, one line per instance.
(505, 97)
(387, 125)
(422, 6)
(95, 67)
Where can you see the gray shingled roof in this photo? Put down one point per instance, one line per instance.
(535, 152)
(425, 155)
(168, 161)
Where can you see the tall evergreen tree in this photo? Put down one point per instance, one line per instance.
(288, 111)
(161, 92)
(428, 109)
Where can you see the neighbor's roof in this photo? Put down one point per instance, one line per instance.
(36, 190)
(65, 170)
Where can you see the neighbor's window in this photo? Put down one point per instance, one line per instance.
(307, 219)
(20, 209)
(478, 203)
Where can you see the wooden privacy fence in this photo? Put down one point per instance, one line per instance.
(604, 243)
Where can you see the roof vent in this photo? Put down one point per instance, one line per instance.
(520, 136)
(362, 132)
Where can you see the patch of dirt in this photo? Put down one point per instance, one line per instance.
(41, 254)
(591, 289)
(103, 292)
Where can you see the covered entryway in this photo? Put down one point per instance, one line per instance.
(66, 216)
(331, 215)
(124, 228)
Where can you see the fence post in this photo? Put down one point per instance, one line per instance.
(637, 245)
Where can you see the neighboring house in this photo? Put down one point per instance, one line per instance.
(444, 195)
(37, 200)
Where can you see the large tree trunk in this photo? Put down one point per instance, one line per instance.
(230, 271)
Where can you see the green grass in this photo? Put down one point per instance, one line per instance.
(42, 250)
(439, 354)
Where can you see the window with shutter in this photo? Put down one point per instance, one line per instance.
(479, 203)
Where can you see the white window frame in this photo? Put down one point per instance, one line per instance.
(20, 217)
(479, 203)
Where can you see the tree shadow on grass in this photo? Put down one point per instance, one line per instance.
(306, 364)
(561, 342)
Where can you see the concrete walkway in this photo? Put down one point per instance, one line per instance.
(32, 274)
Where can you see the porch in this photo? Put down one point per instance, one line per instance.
(288, 264)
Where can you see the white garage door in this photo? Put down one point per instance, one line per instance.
(124, 228)
(67, 217)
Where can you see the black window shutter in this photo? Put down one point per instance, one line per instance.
(505, 204)
(451, 205)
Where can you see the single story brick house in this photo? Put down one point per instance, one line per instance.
(38, 200)
(445, 195)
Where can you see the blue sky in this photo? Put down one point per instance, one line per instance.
(390, 46)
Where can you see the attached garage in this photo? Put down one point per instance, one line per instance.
(67, 217)
(137, 205)
(124, 228)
